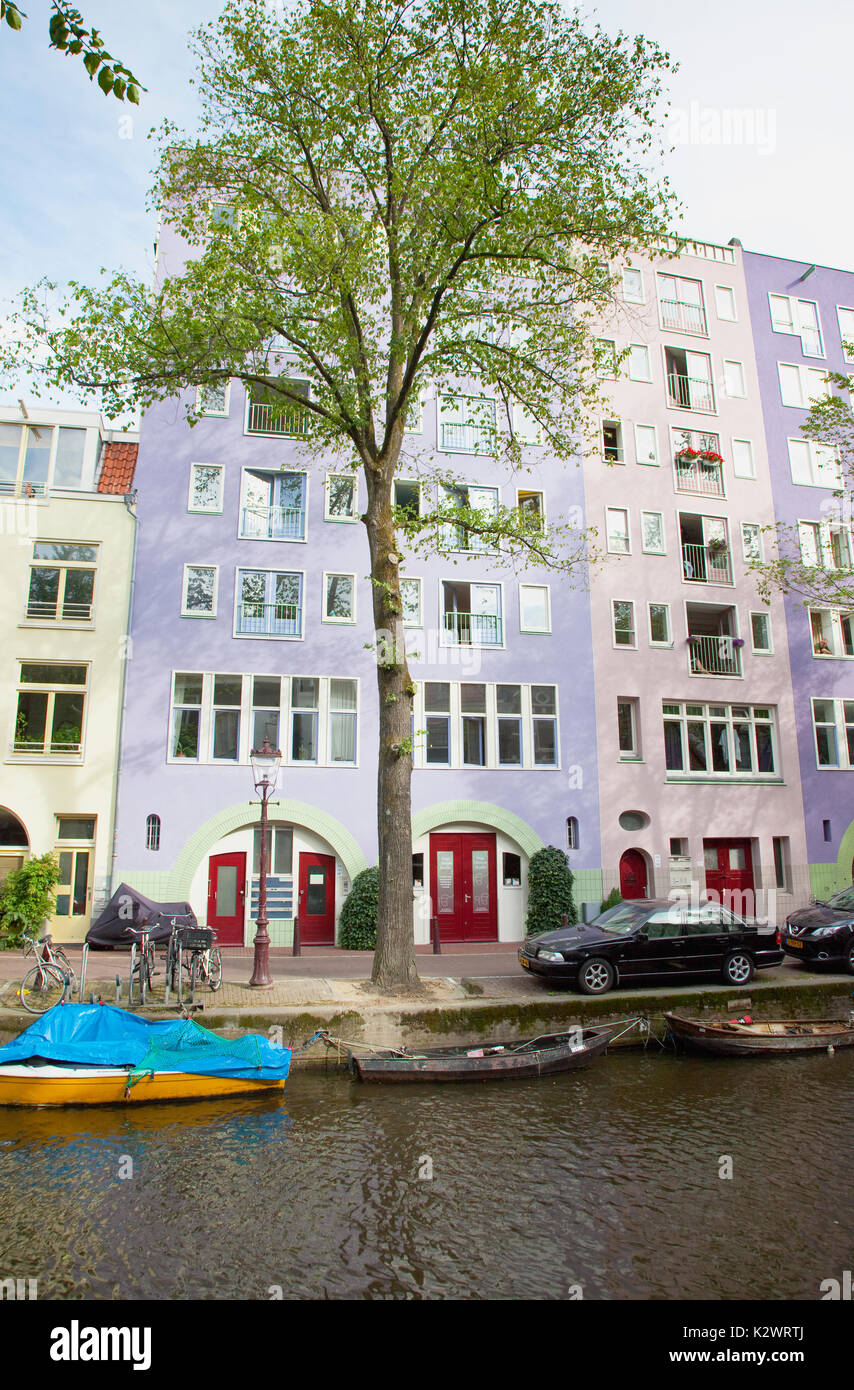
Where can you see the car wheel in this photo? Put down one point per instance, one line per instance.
(737, 968)
(596, 976)
(849, 961)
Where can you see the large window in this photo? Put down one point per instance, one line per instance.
(832, 632)
(269, 412)
(800, 386)
(813, 465)
(720, 741)
(483, 725)
(186, 715)
(50, 708)
(471, 615)
(800, 318)
(457, 535)
(269, 604)
(833, 723)
(272, 505)
(62, 582)
(34, 458)
(467, 424)
(681, 304)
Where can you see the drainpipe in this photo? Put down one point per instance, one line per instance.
(129, 501)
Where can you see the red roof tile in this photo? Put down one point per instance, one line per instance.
(118, 462)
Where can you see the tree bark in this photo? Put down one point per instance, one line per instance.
(394, 969)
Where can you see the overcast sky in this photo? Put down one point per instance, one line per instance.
(761, 116)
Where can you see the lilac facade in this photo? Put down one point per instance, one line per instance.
(799, 314)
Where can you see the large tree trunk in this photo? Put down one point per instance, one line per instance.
(394, 959)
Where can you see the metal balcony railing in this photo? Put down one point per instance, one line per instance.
(467, 439)
(704, 564)
(279, 419)
(269, 619)
(687, 318)
(473, 630)
(22, 489)
(44, 747)
(55, 610)
(714, 656)
(272, 523)
(692, 392)
(704, 479)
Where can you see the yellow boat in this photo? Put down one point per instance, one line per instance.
(48, 1084)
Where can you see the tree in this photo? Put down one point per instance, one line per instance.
(818, 566)
(27, 897)
(549, 892)
(68, 35)
(397, 175)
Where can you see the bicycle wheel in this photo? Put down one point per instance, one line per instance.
(214, 969)
(43, 987)
(63, 964)
(194, 970)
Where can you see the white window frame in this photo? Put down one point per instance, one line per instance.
(622, 511)
(740, 395)
(526, 429)
(268, 636)
(51, 689)
(629, 270)
(416, 405)
(454, 716)
(478, 423)
(630, 363)
(623, 646)
(213, 414)
(416, 482)
(795, 329)
(843, 309)
(815, 464)
(727, 290)
(803, 374)
(414, 579)
(192, 612)
(655, 461)
(324, 613)
(612, 422)
(532, 492)
(644, 547)
(303, 473)
(761, 613)
(484, 549)
(542, 588)
(747, 526)
(207, 511)
(501, 615)
(844, 763)
(327, 515)
(64, 566)
(654, 642)
(633, 754)
(834, 616)
(608, 371)
(736, 471)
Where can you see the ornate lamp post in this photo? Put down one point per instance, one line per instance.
(265, 771)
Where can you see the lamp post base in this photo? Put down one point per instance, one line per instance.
(261, 978)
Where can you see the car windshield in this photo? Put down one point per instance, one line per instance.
(844, 901)
(621, 919)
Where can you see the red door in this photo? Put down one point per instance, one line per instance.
(462, 878)
(317, 899)
(226, 896)
(632, 874)
(729, 874)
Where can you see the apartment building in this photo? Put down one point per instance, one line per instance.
(801, 316)
(66, 559)
(698, 754)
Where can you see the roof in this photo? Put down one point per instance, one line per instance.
(118, 462)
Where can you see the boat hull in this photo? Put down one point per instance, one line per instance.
(451, 1064)
(36, 1086)
(745, 1040)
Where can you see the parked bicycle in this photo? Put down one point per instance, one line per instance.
(51, 980)
(192, 957)
(143, 963)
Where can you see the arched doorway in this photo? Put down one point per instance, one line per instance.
(633, 875)
(14, 842)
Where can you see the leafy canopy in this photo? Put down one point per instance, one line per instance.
(68, 35)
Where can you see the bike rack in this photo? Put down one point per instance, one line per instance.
(84, 962)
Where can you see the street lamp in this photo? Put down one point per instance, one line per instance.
(266, 762)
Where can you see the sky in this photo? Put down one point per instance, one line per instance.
(761, 108)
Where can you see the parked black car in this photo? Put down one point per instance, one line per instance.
(646, 940)
(823, 934)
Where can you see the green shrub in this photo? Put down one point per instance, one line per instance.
(357, 925)
(549, 891)
(612, 899)
(27, 897)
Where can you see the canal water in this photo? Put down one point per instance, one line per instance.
(605, 1183)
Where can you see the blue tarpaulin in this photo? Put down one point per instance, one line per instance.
(102, 1036)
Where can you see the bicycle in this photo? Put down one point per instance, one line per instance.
(51, 980)
(192, 949)
(143, 964)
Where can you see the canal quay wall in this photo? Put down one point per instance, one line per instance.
(455, 1012)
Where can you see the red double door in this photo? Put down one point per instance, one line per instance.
(729, 873)
(315, 903)
(463, 886)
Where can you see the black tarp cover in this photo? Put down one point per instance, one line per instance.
(130, 908)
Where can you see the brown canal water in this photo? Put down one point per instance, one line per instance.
(607, 1178)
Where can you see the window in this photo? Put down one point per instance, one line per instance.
(646, 444)
(339, 598)
(832, 632)
(846, 332)
(341, 497)
(75, 845)
(743, 465)
(62, 582)
(627, 729)
(406, 495)
(418, 870)
(572, 832)
(227, 696)
(268, 411)
(152, 832)
(305, 705)
(532, 509)
(213, 399)
(199, 591)
(467, 424)
(698, 464)
(813, 465)
(782, 863)
(617, 530)
(681, 304)
(511, 870)
(633, 292)
(272, 505)
(410, 600)
(471, 615)
(624, 622)
(437, 705)
(544, 717)
(269, 604)
(414, 415)
(206, 487)
(689, 379)
(508, 703)
(33, 456)
(266, 706)
(473, 725)
(458, 536)
(760, 629)
(612, 442)
(526, 426)
(725, 303)
(342, 721)
(534, 608)
(280, 851)
(728, 741)
(639, 364)
(605, 358)
(799, 317)
(800, 386)
(186, 715)
(833, 721)
(659, 624)
(652, 533)
(734, 384)
(495, 726)
(751, 542)
(222, 214)
(50, 709)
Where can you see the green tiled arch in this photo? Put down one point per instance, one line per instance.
(484, 813)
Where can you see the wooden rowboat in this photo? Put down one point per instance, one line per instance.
(542, 1056)
(32, 1083)
(774, 1038)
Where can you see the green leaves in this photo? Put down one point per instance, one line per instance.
(67, 34)
(12, 15)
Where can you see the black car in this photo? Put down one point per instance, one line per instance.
(644, 940)
(823, 934)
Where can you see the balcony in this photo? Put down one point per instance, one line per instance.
(717, 655)
(59, 611)
(272, 523)
(687, 318)
(62, 744)
(701, 476)
(10, 488)
(473, 630)
(467, 439)
(707, 564)
(691, 392)
(269, 619)
(281, 420)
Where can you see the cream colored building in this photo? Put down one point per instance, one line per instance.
(67, 539)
